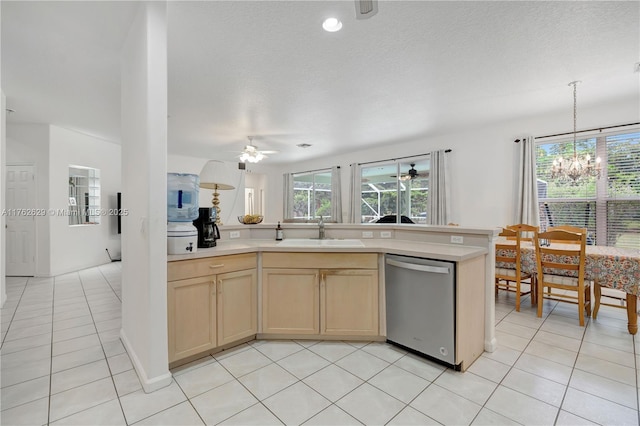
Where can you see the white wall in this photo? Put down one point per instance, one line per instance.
(29, 144)
(144, 173)
(231, 201)
(3, 162)
(270, 179)
(82, 246)
(257, 182)
(482, 161)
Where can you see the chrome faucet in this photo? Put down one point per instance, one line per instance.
(321, 228)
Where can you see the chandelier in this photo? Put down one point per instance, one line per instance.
(575, 169)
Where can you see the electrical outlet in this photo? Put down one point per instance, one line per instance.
(367, 234)
(385, 234)
(234, 234)
(457, 239)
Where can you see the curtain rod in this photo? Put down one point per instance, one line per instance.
(584, 131)
(311, 171)
(399, 158)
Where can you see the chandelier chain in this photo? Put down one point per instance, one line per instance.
(576, 169)
(575, 115)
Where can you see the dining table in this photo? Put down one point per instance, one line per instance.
(612, 267)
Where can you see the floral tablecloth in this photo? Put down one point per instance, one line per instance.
(613, 267)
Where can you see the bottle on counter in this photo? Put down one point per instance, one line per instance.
(279, 233)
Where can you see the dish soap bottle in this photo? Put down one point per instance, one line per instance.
(279, 233)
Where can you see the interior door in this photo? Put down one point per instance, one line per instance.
(20, 220)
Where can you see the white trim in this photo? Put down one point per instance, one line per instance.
(148, 385)
(490, 342)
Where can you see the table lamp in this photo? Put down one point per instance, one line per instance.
(216, 175)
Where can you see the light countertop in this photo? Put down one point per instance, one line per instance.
(450, 252)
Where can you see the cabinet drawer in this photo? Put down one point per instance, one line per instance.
(211, 265)
(320, 260)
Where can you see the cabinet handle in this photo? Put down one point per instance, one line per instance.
(216, 266)
(219, 287)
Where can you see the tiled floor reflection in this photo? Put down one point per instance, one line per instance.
(63, 363)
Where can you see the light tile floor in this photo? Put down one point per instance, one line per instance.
(63, 363)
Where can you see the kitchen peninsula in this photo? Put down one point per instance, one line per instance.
(253, 286)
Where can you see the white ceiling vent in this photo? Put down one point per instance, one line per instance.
(365, 9)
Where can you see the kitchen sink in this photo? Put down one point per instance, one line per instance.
(311, 242)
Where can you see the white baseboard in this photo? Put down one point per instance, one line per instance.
(148, 384)
(490, 345)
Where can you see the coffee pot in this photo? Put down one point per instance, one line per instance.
(208, 231)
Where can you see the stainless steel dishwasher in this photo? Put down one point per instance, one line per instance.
(420, 299)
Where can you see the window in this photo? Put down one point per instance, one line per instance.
(383, 184)
(608, 207)
(312, 195)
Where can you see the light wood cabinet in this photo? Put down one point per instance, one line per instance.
(470, 294)
(191, 316)
(290, 301)
(349, 302)
(237, 311)
(211, 302)
(327, 294)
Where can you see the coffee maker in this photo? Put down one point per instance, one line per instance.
(208, 231)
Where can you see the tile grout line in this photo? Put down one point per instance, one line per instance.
(53, 312)
(109, 284)
(511, 367)
(573, 368)
(106, 360)
(24, 289)
(86, 363)
(587, 325)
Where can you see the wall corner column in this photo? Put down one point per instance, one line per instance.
(144, 188)
(3, 234)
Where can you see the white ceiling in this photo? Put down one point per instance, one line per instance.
(266, 68)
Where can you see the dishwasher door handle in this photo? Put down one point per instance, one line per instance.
(421, 268)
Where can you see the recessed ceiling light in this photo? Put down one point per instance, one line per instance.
(332, 25)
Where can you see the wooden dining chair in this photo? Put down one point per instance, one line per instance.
(561, 266)
(509, 275)
(569, 229)
(527, 232)
(620, 298)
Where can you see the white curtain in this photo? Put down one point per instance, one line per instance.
(526, 208)
(336, 194)
(439, 199)
(355, 196)
(287, 195)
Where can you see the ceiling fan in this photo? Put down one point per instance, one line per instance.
(252, 154)
(412, 174)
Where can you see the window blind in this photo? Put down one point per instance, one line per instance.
(623, 190)
(608, 207)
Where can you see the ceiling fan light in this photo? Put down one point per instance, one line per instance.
(252, 156)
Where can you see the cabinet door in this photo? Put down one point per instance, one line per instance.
(191, 316)
(237, 305)
(349, 302)
(290, 301)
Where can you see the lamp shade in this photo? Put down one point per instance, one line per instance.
(216, 174)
